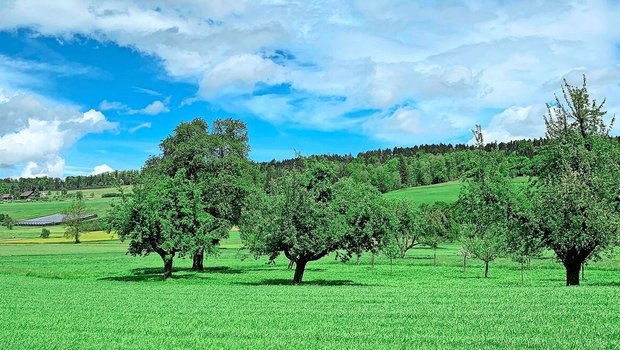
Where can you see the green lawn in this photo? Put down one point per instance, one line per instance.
(20, 210)
(445, 192)
(93, 296)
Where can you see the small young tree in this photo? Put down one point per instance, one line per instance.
(437, 226)
(522, 244)
(45, 233)
(483, 206)
(74, 220)
(408, 230)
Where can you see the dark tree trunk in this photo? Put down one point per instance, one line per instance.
(464, 262)
(486, 269)
(573, 267)
(434, 257)
(167, 265)
(372, 261)
(199, 260)
(291, 263)
(357, 258)
(300, 267)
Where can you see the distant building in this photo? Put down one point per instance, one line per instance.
(6, 197)
(28, 195)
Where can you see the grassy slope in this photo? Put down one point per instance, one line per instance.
(93, 296)
(445, 192)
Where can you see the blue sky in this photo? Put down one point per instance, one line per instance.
(89, 86)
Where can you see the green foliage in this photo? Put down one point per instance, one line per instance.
(74, 219)
(310, 214)
(575, 194)
(45, 233)
(216, 163)
(167, 216)
(484, 207)
(7, 221)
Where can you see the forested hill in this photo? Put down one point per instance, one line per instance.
(386, 169)
(111, 179)
(400, 167)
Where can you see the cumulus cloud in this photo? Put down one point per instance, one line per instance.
(32, 134)
(417, 66)
(516, 123)
(101, 169)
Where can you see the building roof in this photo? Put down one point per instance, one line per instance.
(26, 194)
(51, 220)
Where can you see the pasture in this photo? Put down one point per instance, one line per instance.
(447, 192)
(93, 296)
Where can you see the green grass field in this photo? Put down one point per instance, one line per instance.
(93, 296)
(445, 192)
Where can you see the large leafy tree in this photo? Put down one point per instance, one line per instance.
(576, 187)
(303, 218)
(217, 163)
(160, 216)
(368, 219)
(484, 206)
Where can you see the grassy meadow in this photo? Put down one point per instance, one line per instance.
(93, 296)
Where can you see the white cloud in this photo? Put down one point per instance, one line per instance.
(141, 126)
(153, 108)
(516, 123)
(446, 63)
(101, 169)
(33, 135)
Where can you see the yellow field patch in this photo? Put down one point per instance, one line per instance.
(59, 238)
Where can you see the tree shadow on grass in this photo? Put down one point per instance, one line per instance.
(209, 269)
(146, 278)
(288, 282)
(153, 274)
(602, 283)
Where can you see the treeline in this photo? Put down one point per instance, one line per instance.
(392, 169)
(45, 184)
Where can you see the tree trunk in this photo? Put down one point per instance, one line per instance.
(521, 273)
(434, 257)
(357, 258)
(486, 269)
(198, 260)
(372, 261)
(583, 271)
(300, 267)
(77, 238)
(167, 265)
(464, 262)
(291, 263)
(572, 272)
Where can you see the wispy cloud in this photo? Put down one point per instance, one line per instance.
(138, 127)
(154, 108)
